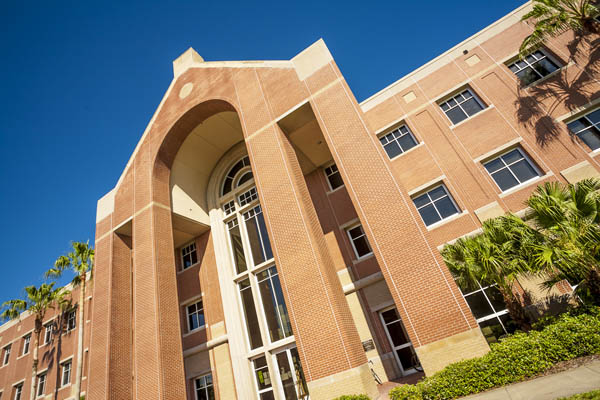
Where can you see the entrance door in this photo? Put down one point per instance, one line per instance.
(290, 375)
(403, 350)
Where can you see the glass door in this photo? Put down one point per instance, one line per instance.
(291, 376)
(403, 350)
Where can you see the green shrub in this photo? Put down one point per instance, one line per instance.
(353, 397)
(593, 395)
(515, 358)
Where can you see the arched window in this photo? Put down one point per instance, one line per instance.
(229, 178)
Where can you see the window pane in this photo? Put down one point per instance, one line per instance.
(456, 115)
(594, 116)
(397, 333)
(436, 193)
(250, 313)
(258, 255)
(545, 67)
(478, 304)
(245, 178)
(261, 371)
(335, 180)
(494, 165)
(528, 76)
(407, 142)
(362, 246)
(523, 170)
(492, 330)
(298, 368)
(512, 156)
(390, 316)
(421, 200)
(504, 179)
(392, 149)
(274, 305)
(238, 249)
(578, 125)
(446, 207)
(471, 106)
(509, 324)
(287, 378)
(429, 215)
(264, 236)
(407, 357)
(495, 298)
(591, 137)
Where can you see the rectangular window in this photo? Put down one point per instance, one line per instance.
(587, 128)
(511, 169)
(462, 106)
(229, 207)
(235, 236)
(48, 333)
(195, 314)
(489, 309)
(41, 384)
(274, 305)
(65, 373)
(435, 205)
(404, 351)
(189, 256)
(334, 178)
(257, 236)
(6, 355)
(398, 141)
(263, 379)
(533, 67)
(359, 241)
(26, 342)
(71, 320)
(18, 391)
(248, 197)
(250, 313)
(204, 388)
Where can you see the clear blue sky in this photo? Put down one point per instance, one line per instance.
(80, 81)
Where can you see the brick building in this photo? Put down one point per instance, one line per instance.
(271, 236)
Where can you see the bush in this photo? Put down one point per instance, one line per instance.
(353, 397)
(515, 358)
(593, 395)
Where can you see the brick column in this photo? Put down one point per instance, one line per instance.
(320, 316)
(425, 294)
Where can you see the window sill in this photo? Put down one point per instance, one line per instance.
(197, 330)
(65, 386)
(408, 151)
(525, 185)
(22, 356)
(594, 153)
(446, 220)
(330, 191)
(181, 271)
(490, 107)
(363, 258)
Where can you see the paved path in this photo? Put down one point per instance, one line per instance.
(577, 380)
(566, 383)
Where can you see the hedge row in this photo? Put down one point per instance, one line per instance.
(515, 358)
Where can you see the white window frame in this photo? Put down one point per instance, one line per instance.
(49, 330)
(389, 338)
(432, 202)
(261, 391)
(495, 314)
(398, 129)
(597, 126)
(288, 352)
(26, 344)
(63, 364)
(73, 313)
(348, 229)
(182, 255)
(327, 175)
(41, 385)
(18, 391)
(187, 314)
(452, 97)
(6, 356)
(554, 61)
(205, 387)
(525, 156)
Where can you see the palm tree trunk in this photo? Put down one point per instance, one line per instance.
(593, 284)
(34, 368)
(516, 310)
(78, 377)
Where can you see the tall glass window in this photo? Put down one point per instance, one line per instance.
(274, 305)
(257, 236)
(235, 237)
(263, 379)
(250, 313)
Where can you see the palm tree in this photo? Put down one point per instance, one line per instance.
(39, 300)
(569, 218)
(553, 17)
(80, 261)
(496, 256)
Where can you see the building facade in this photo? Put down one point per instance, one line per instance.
(273, 238)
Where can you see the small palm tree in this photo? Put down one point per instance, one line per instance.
(497, 256)
(81, 262)
(38, 301)
(569, 218)
(553, 17)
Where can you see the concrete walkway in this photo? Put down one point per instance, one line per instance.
(566, 383)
